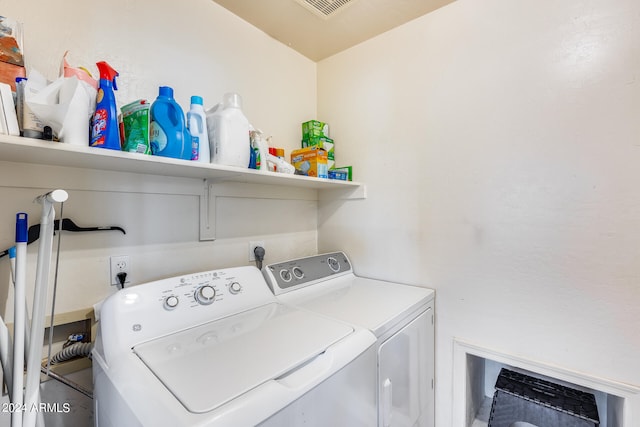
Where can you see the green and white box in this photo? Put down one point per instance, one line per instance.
(314, 129)
(323, 142)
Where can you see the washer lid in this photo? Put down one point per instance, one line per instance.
(211, 364)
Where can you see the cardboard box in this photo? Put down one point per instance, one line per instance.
(314, 129)
(9, 72)
(344, 173)
(323, 142)
(339, 175)
(310, 161)
(11, 52)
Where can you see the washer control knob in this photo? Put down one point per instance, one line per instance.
(286, 275)
(333, 263)
(171, 302)
(205, 294)
(298, 273)
(235, 288)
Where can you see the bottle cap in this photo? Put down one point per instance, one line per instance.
(196, 100)
(166, 91)
(107, 73)
(232, 100)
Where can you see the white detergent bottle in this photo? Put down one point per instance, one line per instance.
(229, 132)
(197, 124)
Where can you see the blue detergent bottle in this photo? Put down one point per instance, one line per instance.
(105, 132)
(168, 134)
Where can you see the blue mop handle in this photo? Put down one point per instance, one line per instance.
(19, 321)
(22, 229)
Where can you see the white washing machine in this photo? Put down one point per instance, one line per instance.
(217, 349)
(401, 317)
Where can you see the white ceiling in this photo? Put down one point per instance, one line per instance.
(319, 37)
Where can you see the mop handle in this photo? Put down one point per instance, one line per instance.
(55, 291)
(55, 196)
(19, 319)
(6, 346)
(32, 383)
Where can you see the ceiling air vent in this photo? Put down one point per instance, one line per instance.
(325, 9)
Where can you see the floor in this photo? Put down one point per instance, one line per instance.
(65, 407)
(482, 417)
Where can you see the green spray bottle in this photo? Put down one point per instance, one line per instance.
(105, 132)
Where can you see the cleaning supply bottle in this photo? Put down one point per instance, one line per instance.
(229, 132)
(260, 147)
(168, 134)
(197, 124)
(105, 131)
(30, 125)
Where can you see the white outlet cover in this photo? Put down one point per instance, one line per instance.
(252, 245)
(116, 265)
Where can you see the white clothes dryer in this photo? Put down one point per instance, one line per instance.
(400, 316)
(217, 349)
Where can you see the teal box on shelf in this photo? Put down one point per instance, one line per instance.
(339, 175)
(343, 173)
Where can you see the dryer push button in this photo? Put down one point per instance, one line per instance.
(334, 264)
(298, 273)
(285, 275)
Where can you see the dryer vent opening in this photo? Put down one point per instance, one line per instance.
(521, 400)
(553, 391)
(325, 9)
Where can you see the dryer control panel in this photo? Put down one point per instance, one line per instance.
(289, 275)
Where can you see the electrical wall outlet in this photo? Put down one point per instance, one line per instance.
(119, 264)
(252, 246)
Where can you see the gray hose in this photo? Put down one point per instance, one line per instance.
(79, 349)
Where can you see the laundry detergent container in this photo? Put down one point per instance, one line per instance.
(228, 130)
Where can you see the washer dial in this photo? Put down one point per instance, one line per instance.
(205, 295)
(235, 288)
(171, 302)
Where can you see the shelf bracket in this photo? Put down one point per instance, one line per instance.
(207, 206)
(213, 189)
(350, 193)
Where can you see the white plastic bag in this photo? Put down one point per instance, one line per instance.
(66, 104)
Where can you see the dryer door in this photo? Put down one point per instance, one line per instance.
(405, 375)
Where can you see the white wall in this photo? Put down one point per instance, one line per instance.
(499, 144)
(498, 141)
(196, 47)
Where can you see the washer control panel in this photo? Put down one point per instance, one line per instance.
(293, 274)
(147, 311)
(199, 289)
